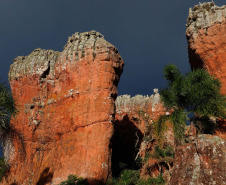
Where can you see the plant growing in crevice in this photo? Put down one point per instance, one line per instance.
(163, 152)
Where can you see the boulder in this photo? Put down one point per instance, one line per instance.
(200, 162)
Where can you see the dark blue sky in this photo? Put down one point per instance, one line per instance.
(149, 34)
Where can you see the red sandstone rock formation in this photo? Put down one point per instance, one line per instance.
(200, 162)
(133, 136)
(206, 35)
(66, 111)
(142, 111)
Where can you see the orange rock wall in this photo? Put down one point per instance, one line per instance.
(141, 110)
(66, 111)
(134, 116)
(206, 35)
(202, 160)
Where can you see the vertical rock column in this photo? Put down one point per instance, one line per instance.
(66, 110)
(206, 35)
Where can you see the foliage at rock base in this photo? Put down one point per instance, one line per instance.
(132, 177)
(3, 167)
(74, 180)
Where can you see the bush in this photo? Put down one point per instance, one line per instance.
(153, 181)
(162, 153)
(169, 152)
(127, 177)
(132, 177)
(74, 180)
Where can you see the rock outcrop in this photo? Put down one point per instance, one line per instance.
(66, 103)
(142, 111)
(200, 162)
(206, 35)
(134, 137)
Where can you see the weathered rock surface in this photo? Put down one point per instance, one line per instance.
(66, 103)
(133, 135)
(142, 111)
(206, 35)
(200, 162)
(203, 161)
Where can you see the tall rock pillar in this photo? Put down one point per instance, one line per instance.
(206, 35)
(66, 103)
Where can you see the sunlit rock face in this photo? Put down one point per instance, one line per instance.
(200, 162)
(206, 35)
(66, 103)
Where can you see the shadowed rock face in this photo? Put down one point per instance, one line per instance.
(133, 120)
(200, 162)
(66, 111)
(206, 35)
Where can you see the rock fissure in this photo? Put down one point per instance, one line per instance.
(45, 72)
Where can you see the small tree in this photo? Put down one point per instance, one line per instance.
(196, 94)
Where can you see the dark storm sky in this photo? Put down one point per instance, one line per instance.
(149, 34)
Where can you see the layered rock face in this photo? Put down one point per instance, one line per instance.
(66, 103)
(206, 35)
(200, 162)
(133, 136)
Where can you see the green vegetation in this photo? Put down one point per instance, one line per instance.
(7, 108)
(162, 153)
(132, 177)
(195, 97)
(153, 181)
(3, 167)
(74, 180)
